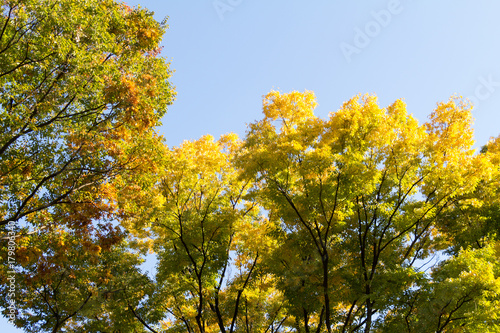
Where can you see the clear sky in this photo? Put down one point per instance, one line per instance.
(227, 54)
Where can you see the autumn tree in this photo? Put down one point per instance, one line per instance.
(80, 82)
(209, 242)
(360, 199)
(79, 281)
(82, 89)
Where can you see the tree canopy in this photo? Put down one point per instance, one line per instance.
(366, 221)
(82, 89)
(81, 84)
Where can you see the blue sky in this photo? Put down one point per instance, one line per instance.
(227, 54)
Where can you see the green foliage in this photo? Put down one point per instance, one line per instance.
(82, 87)
(78, 80)
(360, 199)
